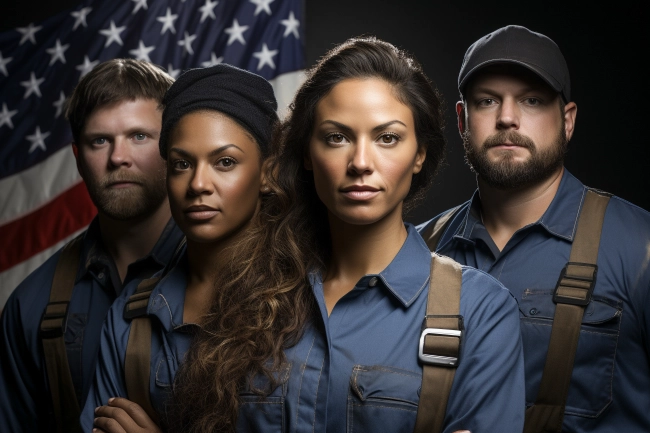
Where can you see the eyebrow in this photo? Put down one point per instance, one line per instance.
(154, 132)
(376, 128)
(212, 153)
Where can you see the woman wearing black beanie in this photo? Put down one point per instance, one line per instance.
(217, 126)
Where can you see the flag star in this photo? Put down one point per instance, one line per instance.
(3, 64)
(142, 52)
(291, 25)
(168, 21)
(6, 115)
(207, 10)
(28, 33)
(236, 33)
(87, 66)
(139, 4)
(174, 73)
(186, 43)
(214, 60)
(266, 57)
(80, 17)
(262, 5)
(113, 34)
(57, 52)
(37, 140)
(32, 86)
(59, 104)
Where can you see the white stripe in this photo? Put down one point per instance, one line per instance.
(13, 276)
(28, 190)
(285, 87)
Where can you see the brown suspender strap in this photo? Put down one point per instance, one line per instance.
(572, 295)
(440, 343)
(137, 362)
(52, 331)
(433, 233)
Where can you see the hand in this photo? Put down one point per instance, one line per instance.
(123, 416)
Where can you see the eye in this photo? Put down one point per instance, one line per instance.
(532, 101)
(389, 138)
(180, 165)
(99, 141)
(140, 137)
(335, 138)
(486, 102)
(226, 162)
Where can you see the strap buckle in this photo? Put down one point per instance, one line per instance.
(54, 319)
(437, 359)
(576, 288)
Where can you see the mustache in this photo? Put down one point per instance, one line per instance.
(121, 177)
(509, 136)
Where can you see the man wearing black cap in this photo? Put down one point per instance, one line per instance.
(575, 259)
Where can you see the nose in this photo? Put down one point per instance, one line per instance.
(508, 114)
(361, 156)
(120, 154)
(200, 182)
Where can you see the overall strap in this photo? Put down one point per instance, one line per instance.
(572, 295)
(440, 343)
(137, 362)
(434, 232)
(52, 331)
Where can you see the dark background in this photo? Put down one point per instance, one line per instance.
(606, 48)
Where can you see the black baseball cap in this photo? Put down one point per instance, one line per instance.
(519, 46)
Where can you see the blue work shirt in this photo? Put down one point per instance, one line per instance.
(24, 387)
(610, 384)
(356, 370)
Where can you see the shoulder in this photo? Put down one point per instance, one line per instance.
(453, 212)
(481, 292)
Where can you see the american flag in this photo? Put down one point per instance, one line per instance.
(43, 202)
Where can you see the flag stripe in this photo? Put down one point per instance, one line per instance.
(37, 231)
(23, 192)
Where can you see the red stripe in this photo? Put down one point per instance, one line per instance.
(43, 228)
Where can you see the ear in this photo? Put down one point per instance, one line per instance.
(307, 162)
(265, 173)
(460, 113)
(420, 156)
(75, 152)
(570, 112)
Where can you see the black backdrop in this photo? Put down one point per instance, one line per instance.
(606, 48)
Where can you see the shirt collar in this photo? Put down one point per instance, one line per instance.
(167, 299)
(560, 218)
(406, 275)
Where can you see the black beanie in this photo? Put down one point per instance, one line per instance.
(242, 95)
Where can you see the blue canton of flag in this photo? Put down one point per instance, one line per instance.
(43, 202)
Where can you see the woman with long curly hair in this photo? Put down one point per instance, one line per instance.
(316, 322)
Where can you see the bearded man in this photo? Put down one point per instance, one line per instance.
(576, 259)
(51, 323)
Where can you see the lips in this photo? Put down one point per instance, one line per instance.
(360, 192)
(200, 212)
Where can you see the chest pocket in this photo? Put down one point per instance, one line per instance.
(263, 414)
(382, 399)
(590, 391)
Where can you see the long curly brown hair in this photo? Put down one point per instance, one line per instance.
(263, 301)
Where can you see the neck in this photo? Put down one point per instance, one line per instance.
(128, 241)
(506, 211)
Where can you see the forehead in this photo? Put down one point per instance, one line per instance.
(507, 78)
(369, 99)
(125, 114)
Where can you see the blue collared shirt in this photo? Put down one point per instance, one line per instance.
(357, 369)
(610, 384)
(24, 388)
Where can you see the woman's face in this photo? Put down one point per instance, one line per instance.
(213, 176)
(363, 151)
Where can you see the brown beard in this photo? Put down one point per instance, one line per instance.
(131, 203)
(507, 174)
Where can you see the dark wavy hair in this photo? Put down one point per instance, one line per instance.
(263, 300)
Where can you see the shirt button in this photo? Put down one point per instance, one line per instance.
(101, 275)
(373, 282)
(533, 311)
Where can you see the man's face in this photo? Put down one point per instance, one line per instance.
(514, 131)
(118, 158)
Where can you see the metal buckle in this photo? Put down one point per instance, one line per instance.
(54, 331)
(567, 283)
(446, 361)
